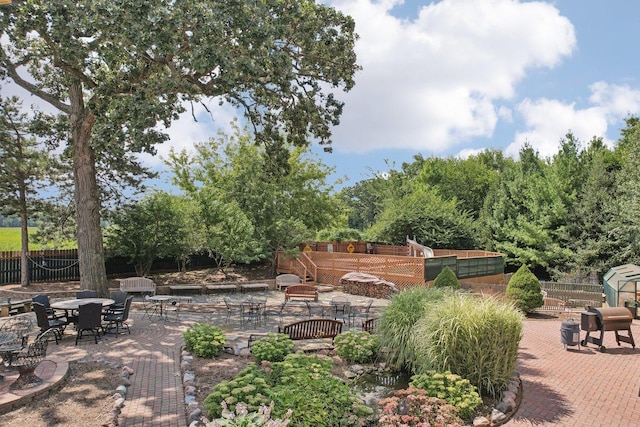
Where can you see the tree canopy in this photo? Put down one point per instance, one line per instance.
(117, 69)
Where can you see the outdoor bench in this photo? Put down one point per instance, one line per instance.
(259, 286)
(224, 288)
(301, 291)
(285, 280)
(138, 284)
(178, 288)
(312, 329)
(15, 307)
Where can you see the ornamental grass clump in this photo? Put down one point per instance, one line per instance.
(476, 338)
(272, 348)
(412, 407)
(357, 346)
(457, 391)
(398, 319)
(204, 340)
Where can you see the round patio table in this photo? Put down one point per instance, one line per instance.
(73, 304)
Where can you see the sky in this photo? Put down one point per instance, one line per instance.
(454, 77)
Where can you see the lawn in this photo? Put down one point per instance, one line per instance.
(10, 240)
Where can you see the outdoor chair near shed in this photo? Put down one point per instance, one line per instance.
(89, 320)
(45, 323)
(285, 280)
(117, 318)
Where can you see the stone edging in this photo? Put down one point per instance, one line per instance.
(119, 394)
(192, 408)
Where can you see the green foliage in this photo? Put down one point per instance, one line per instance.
(456, 390)
(243, 418)
(302, 383)
(339, 235)
(476, 338)
(284, 203)
(446, 278)
(399, 317)
(204, 340)
(524, 289)
(423, 213)
(412, 407)
(357, 346)
(272, 348)
(158, 226)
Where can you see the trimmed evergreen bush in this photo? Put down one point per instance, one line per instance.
(474, 337)
(524, 289)
(446, 278)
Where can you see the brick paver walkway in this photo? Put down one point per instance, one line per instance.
(155, 397)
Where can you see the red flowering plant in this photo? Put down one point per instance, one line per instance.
(413, 408)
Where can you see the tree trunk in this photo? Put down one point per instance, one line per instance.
(24, 237)
(93, 274)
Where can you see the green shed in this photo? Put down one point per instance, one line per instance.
(622, 284)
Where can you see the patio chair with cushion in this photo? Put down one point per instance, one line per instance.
(118, 318)
(45, 323)
(44, 300)
(89, 320)
(86, 293)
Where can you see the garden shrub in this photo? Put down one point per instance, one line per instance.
(242, 417)
(204, 340)
(357, 346)
(456, 390)
(446, 278)
(524, 289)
(476, 338)
(302, 383)
(398, 319)
(272, 348)
(413, 408)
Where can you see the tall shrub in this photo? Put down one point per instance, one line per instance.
(524, 289)
(476, 338)
(399, 317)
(446, 278)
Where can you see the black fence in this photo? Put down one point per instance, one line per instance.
(62, 265)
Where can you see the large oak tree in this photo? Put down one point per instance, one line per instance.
(117, 69)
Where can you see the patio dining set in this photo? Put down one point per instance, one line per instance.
(254, 310)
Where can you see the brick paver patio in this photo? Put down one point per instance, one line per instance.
(561, 387)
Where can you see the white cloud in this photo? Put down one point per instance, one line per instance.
(432, 82)
(185, 132)
(548, 120)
